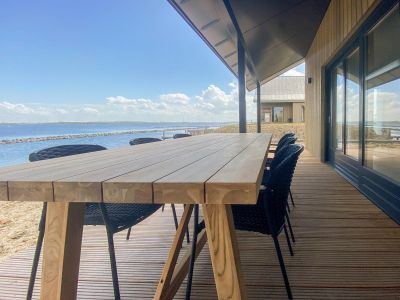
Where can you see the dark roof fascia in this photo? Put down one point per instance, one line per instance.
(239, 33)
(190, 23)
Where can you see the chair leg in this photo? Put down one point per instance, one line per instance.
(128, 234)
(38, 249)
(288, 240)
(283, 269)
(114, 272)
(290, 228)
(287, 207)
(174, 215)
(193, 252)
(162, 208)
(111, 251)
(291, 197)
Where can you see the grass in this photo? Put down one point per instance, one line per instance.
(277, 129)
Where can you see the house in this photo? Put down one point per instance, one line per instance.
(282, 100)
(346, 189)
(351, 51)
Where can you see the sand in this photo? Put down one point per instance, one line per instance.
(18, 226)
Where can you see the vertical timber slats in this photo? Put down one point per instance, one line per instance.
(342, 18)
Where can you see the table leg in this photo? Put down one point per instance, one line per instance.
(62, 249)
(173, 255)
(224, 251)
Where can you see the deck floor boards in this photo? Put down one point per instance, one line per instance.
(346, 249)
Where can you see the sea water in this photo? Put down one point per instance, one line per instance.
(17, 141)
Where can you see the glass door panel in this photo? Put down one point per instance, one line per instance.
(352, 136)
(338, 97)
(382, 124)
(278, 114)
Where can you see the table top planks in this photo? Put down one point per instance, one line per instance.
(186, 185)
(239, 180)
(188, 170)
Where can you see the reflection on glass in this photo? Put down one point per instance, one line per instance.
(339, 100)
(278, 114)
(382, 126)
(352, 105)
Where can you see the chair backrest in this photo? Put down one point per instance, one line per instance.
(63, 150)
(181, 135)
(281, 154)
(287, 141)
(144, 140)
(284, 137)
(277, 188)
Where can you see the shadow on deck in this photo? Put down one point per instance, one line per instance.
(346, 249)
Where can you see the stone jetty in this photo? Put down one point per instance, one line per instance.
(85, 135)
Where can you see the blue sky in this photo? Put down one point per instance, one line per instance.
(107, 60)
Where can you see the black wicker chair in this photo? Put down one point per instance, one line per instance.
(181, 135)
(278, 158)
(144, 140)
(267, 216)
(115, 217)
(286, 135)
(287, 139)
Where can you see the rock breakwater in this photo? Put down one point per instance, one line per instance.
(86, 135)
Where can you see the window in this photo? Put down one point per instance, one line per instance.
(352, 137)
(278, 114)
(338, 91)
(364, 108)
(267, 117)
(382, 97)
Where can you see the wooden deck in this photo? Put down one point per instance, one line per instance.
(346, 249)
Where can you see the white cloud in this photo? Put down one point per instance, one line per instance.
(177, 98)
(89, 110)
(61, 111)
(20, 108)
(210, 104)
(382, 105)
(126, 101)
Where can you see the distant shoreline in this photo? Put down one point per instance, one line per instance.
(86, 135)
(109, 122)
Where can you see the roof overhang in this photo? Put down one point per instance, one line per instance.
(276, 33)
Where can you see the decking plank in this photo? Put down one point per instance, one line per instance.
(342, 252)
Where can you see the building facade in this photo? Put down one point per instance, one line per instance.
(282, 100)
(351, 50)
(354, 97)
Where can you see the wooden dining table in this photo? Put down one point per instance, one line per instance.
(213, 170)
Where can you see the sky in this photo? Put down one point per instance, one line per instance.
(102, 60)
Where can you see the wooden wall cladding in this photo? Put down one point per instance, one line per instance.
(342, 19)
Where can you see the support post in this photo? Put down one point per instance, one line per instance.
(242, 87)
(258, 107)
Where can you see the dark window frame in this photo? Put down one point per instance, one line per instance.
(381, 190)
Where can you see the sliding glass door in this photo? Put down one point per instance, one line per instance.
(382, 124)
(346, 111)
(352, 96)
(364, 114)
